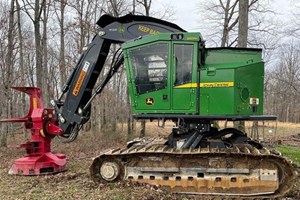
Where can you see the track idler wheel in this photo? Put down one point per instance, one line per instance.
(109, 171)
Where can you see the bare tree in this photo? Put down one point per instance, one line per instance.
(146, 4)
(284, 84)
(60, 14)
(21, 63)
(220, 21)
(38, 7)
(229, 22)
(8, 72)
(222, 17)
(84, 21)
(293, 28)
(44, 42)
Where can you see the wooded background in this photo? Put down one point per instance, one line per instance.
(41, 41)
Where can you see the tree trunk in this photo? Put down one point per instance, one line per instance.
(146, 4)
(243, 23)
(44, 46)
(129, 119)
(21, 63)
(8, 77)
(133, 7)
(225, 34)
(21, 54)
(38, 46)
(242, 42)
(143, 128)
(62, 63)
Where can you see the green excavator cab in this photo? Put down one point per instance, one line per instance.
(172, 73)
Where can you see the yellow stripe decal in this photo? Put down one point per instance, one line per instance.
(207, 85)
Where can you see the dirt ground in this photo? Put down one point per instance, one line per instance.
(75, 183)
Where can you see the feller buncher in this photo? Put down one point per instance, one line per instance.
(171, 76)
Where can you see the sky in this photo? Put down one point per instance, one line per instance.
(187, 16)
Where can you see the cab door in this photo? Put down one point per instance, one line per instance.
(184, 77)
(150, 69)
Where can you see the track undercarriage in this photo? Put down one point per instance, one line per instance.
(199, 161)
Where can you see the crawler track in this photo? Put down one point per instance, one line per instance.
(241, 171)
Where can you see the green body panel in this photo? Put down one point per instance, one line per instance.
(231, 80)
(242, 67)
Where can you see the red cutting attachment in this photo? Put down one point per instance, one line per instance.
(43, 126)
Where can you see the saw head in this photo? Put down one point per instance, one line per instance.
(42, 124)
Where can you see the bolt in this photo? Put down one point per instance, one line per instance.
(61, 119)
(101, 33)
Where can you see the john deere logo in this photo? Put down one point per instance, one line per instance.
(149, 101)
(121, 29)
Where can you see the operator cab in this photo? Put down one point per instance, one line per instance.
(173, 74)
(156, 66)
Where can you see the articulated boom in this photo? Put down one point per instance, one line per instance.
(75, 110)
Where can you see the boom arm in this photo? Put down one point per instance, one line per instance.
(77, 92)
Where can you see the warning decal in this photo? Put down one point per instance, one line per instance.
(81, 78)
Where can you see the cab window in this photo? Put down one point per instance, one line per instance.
(183, 55)
(150, 67)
